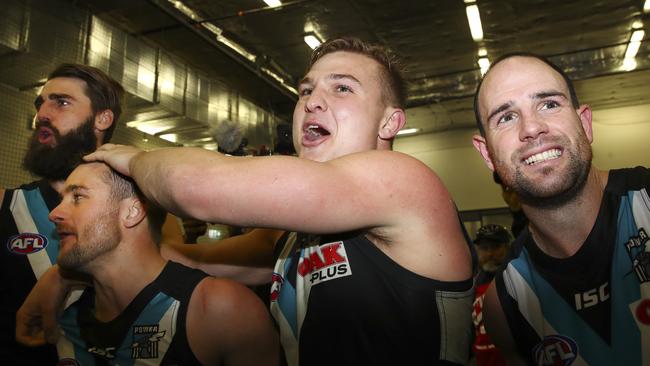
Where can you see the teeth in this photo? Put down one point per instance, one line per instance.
(543, 156)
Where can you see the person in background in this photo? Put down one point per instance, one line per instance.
(76, 111)
(492, 244)
(577, 290)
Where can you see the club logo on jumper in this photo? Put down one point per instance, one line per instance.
(68, 362)
(555, 350)
(145, 341)
(26, 243)
(107, 352)
(637, 248)
(276, 286)
(324, 262)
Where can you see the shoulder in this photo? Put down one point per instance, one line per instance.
(224, 319)
(628, 179)
(227, 303)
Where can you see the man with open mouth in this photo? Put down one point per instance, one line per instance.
(76, 111)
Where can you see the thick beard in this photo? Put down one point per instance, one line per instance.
(58, 161)
(566, 190)
(101, 235)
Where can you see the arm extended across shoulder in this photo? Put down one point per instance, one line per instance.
(240, 330)
(392, 195)
(246, 258)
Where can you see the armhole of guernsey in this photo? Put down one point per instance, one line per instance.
(38, 234)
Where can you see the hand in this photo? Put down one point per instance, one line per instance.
(117, 156)
(36, 320)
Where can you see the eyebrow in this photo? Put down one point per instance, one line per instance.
(38, 102)
(308, 80)
(75, 187)
(500, 109)
(546, 94)
(536, 96)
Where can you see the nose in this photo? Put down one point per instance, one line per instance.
(57, 214)
(315, 101)
(43, 112)
(531, 127)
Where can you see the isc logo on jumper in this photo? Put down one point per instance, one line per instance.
(555, 350)
(26, 243)
(325, 262)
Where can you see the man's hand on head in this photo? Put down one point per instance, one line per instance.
(119, 157)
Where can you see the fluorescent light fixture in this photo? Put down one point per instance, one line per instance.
(311, 40)
(273, 3)
(474, 19)
(635, 43)
(482, 52)
(484, 64)
(629, 64)
(408, 131)
(171, 137)
(646, 6)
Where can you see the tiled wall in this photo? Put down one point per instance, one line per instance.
(16, 114)
(37, 35)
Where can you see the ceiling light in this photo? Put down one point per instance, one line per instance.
(312, 40)
(273, 3)
(474, 20)
(482, 52)
(635, 43)
(484, 64)
(408, 131)
(646, 6)
(629, 64)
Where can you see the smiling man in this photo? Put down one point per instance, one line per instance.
(374, 268)
(578, 288)
(76, 111)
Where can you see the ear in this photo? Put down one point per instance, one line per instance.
(132, 212)
(584, 112)
(481, 146)
(103, 120)
(394, 120)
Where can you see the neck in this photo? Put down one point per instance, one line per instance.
(122, 275)
(561, 231)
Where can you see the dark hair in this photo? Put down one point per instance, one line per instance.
(567, 80)
(492, 235)
(123, 187)
(394, 89)
(103, 92)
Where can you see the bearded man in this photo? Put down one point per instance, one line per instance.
(76, 111)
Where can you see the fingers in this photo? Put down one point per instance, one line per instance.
(29, 331)
(117, 156)
(51, 327)
(99, 154)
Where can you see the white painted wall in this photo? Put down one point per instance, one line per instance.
(621, 139)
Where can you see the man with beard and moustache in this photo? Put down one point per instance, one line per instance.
(76, 111)
(141, 307)
(578, 287)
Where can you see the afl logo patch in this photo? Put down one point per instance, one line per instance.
(26, 243)
(555, 350)
(68, 362)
